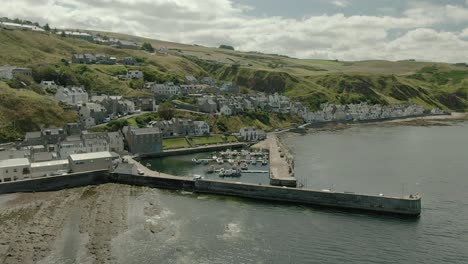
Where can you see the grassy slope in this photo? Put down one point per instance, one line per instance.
(310, 81)
(23, 110)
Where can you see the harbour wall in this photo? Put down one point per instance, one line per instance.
(186, 151)
(411, 207)
(55, 183)
(173, 183)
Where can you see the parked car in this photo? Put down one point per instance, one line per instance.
(140, 172)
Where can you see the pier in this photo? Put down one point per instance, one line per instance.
(408, 205)
(127, 173)
(281, 162)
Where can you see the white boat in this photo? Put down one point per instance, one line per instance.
(253, 162)
(265, 162)
(210, 170)
(221, 172)
(229, 173)
(231, 161)
(219, 160)
(197, 161)
(214, 157)
(244, 166)
(197, 177)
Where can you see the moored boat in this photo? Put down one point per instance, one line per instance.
(210, 170)
(244, 166)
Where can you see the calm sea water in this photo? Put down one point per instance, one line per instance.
(193, 228)
(184, 166)
(371, 159)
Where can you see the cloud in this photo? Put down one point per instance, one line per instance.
(341, 3)
(215, 22)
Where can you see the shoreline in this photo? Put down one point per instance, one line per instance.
(433, 120)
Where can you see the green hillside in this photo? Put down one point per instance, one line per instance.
(310, 81)
(24, 110)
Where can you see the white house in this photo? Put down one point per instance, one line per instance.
(21, 26)
(70, 146)
(226, 110)
(72, 95)
(46, 168)
(48, 84)
(134, 74)
(252, 134)
(116, 142)
(90, 161)
(91, 114)
(168, 89)
(11, 72)
(14, 169)
(201, 128)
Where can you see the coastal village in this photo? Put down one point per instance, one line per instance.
(55, 150)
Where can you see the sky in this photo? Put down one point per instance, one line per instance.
(432, 30)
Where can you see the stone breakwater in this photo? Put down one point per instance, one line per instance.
(398, 205)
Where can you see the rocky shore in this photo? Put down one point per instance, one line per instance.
(69, 226)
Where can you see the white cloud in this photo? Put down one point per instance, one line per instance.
(342, 3)
(215, 22)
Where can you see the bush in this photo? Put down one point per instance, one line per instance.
(226, 47)
(147, 46)
(166, 111)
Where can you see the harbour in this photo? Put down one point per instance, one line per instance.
(189, 225)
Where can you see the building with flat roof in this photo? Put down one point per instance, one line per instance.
(14, 169)
(49, 168)
(10, 72)
(90, 161)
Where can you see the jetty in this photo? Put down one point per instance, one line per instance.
(281, 162)
(407, 205)
(134, 173)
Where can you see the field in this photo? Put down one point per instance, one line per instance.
(175, 143)
(212, 140)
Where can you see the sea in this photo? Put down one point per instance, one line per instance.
(373, 159)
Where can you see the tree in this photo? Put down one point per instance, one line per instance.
(47, 27)
(147, 46)
(166, 111)
(226, 47)
(63, 34)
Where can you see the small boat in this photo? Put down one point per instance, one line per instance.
(265, 162)
(148, 165)
(221, 172)
(219, 160)
(231, 161)
(210, 170)
(229, 173)
(244, 166)
(197, 161)
(197, 177)
(214, 157)
(253, 162)
(205, 162)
